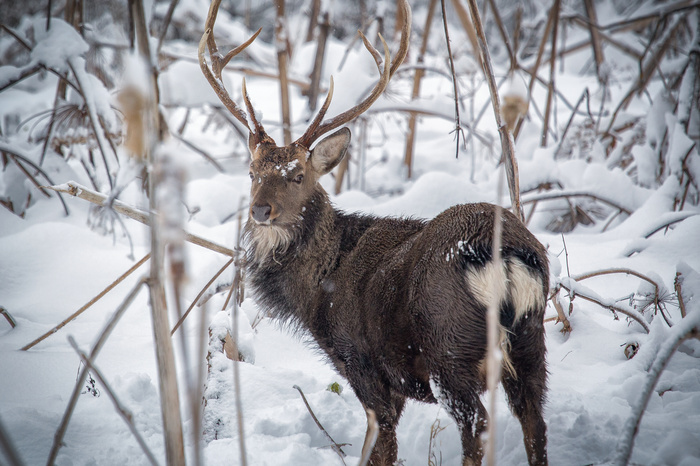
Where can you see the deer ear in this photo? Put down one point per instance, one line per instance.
(330, 151)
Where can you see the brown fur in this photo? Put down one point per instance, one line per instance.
(396, 303)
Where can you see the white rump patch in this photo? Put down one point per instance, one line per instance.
(496, 282)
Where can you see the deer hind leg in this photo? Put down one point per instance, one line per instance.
(385, 416)
(526, 389)
(463, 403)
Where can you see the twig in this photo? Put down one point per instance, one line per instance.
(687, 328)
(282, 64)
(77, 190)
(610, 307)
(8, 317)
(584, 95)
(124, 413)
(8, 449)
(415, 92)
(96, 347)
(196, 300)
(566, 194)
(561, 316)
(507, 145)
(552, 73)
(88, 304)
(334, 445)
(166, 23)
(458, 126)
(237, 295)
(200, 151)
(13, 153)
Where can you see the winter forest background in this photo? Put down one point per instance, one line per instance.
(602, 98)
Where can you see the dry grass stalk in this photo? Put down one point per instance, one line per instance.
(94, 351)
(538, 62)
(415, 92)
(611, 308)
(82, 192)
(561, 316)
(8, 449)
(552, 73)
(19, 159)
(10, 320)
(468, 26)
(595, 40)
(686, 329)
(315, 76)
(507, 145)
(334, 445)
(122, 410)
(199, 295)
(87, 305)
(165, 358)
(370, 438)
(282, 44)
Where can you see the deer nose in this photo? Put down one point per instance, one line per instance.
(261, 213)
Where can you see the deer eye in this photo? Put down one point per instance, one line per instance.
(251, 175)
(299, 178)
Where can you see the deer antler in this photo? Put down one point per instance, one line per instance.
(319, 128)
(213, 75)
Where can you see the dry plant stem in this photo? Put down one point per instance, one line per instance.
(609, 307)
(88, 304)
(77, 190)
(97, 128)
(315, 76)
(97, 346)
(282, 64)
(458, 126)
(552, 73)
(558, 195)
(463, 16)
(647, 70)
(122, 410)
(679, 294)
(415, 92)
(493, 352)
(686, 329)
(538, 62)
(196, 300)
(165, 358)
(561, 316)
(237, 299)
(504, 35)
(370, 437)
(16, 156)
(334, 445)
(636, 274)
(8, 449)
(166, 23)
(8, 317)
(507, 145)
(584, 95)
(595, 40)
(200, 151)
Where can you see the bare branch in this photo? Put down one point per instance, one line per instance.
(99, 296)
(334, 445)
(123, 412)
(77, 190)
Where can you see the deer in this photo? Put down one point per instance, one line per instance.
(398, 305)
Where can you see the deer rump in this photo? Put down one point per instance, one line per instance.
(396, 303)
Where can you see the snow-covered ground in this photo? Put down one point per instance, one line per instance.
(52, 264)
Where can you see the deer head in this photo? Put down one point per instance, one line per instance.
(284, 178)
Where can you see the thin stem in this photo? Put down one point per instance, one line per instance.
(99, 296)
(96, 347)
(123, 412)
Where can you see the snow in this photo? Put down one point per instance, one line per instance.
(52, 264)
